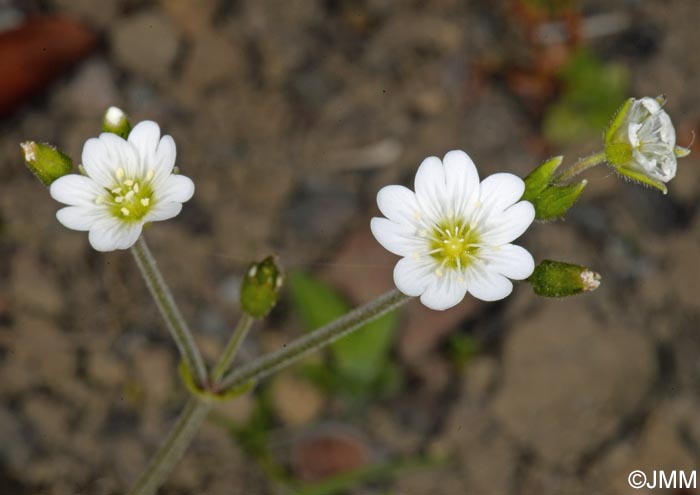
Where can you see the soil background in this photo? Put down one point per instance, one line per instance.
(289, 116)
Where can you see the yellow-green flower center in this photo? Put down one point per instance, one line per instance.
(453, 244)
(131, 197)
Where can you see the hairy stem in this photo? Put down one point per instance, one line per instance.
(173, 448)
(179, 438)
(168, 308)
(196, 410)
(580, 166)
(232, 347)
(269, 363)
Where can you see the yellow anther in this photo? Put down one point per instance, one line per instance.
(129, 195)
(145, 201)
(118, 199)
(120, 173)
(129, 182)
(136, 187)
(116, 190)
(125, 212)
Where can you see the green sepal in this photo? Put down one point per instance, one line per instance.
(46, 162)
(551, 201)
(641, 178)
(540, 178)
(560, 279)
(681, 152)
(116, 122)
(618, 154)
(210, 395)
(617, 121)
(555, 201)
(260, 287)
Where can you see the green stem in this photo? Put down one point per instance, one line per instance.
(168, 308)
(196, 411)
(580, 166)
(231, 349)
(173, 448)
(271, 362)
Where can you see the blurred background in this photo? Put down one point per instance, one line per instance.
(289, 116)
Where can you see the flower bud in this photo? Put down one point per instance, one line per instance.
(116, 122)
(559, 279)
(45, 161)
(551, 201)
(640, 142)
(260, 287)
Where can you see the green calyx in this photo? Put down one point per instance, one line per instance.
(550, 199)
(560, 279)
(116, 122)
(46, 162)
(260, 287)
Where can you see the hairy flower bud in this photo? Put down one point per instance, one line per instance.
(551, 201)
(45, 161)
(260, 287)
(559, 279)
(116, 122)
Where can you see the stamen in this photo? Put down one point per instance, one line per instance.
(129, 182)
(116, 190)
(145, 201)
(136, 187)
(129, 195)
(120, 173)
(118, 199)
(125, 212)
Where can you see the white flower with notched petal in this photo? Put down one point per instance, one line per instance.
(128, 183)
(454, 233)
(641, 142)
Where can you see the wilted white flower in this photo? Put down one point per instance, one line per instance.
(127, 183)
(455, 233)
(641, 142)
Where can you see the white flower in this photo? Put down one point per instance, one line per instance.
(454, 233)
(127, 184)
(642, 140)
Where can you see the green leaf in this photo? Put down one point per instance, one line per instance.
(316, 302)
(361, 356)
